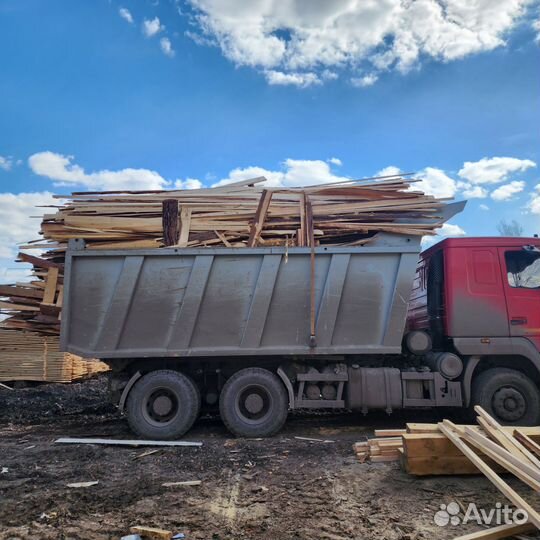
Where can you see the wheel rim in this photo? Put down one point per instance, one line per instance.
(509, 404)
(253, 404)
(160, 406)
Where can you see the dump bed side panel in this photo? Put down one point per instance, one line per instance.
(230, 302)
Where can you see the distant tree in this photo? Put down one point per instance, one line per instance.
(509, 229)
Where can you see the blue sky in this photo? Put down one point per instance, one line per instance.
(165, 93)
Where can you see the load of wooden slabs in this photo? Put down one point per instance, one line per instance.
(28, 356)
(243, 214)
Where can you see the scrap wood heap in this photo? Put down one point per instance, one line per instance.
(448, 449)
(243, 214)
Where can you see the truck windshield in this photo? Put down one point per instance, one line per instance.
(523, 269)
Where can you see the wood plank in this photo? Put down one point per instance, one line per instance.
(50, 286)
(37, 261)
(390, 432)
(499, 532)
(439, 466)
(124, 442)
(260, 216)
(526, 441)
(185, 226)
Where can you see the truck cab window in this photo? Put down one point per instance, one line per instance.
(523, 269)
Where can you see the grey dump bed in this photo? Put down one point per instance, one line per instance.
(230, 302)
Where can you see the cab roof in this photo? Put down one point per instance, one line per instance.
(484, 241)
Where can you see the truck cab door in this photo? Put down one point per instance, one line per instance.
(522, 291)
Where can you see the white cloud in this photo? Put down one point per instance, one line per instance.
(188, 183)
(151, 27)
(447, 230)
(365, 81)
(435, 182)
(484, 207)
(17, 225)
(474, 192)
(507, 191)
(62, 171)
(335, 161)
(493, 170)
(536, 26)
(391, 170)
(534, 203)
(21, 220)
(166, 47)
(6, 163)
(294, 172)
(126, 15)
(301, 80)
(291, 36)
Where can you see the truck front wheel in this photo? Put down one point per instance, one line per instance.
(253, 403)
(508, 395)
(163, 405)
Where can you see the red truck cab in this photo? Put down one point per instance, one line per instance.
(480, 299)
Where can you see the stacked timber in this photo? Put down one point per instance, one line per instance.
(243, 214)
(28, 356)
(385, 446)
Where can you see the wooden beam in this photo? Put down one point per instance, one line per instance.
(499, 532)
(260, 216)
(37, 261)
(170, 222)
(124, 442)
(526, 441)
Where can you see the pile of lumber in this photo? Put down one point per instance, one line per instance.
(487, 448)
(385, 446)
(28, 356)
(243, 214)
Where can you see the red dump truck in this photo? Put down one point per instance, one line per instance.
(255, 332)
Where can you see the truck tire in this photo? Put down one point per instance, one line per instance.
(163, 405)
(253, 403)
(508, 395)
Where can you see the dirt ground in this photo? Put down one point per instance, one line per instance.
(278, 488)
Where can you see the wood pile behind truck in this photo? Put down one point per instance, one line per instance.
(243, 214)
(28, 356)
(487, 448)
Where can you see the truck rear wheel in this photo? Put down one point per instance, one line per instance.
(163, 405)
(508, 395)
(253, 403)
